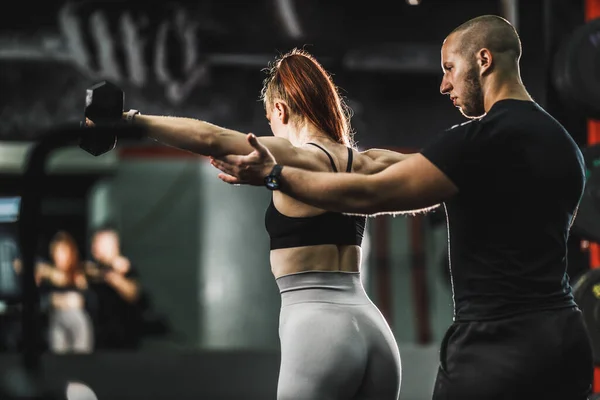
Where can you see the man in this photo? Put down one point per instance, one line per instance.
(115, 283)
(510, 181)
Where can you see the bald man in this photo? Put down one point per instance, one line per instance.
(510, 180)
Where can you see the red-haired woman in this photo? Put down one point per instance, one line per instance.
(70, 327)
(335, 344)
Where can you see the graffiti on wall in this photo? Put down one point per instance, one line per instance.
(198, 59)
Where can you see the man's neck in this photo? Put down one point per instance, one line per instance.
(508, 89)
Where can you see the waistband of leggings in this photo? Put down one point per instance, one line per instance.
(322, 286)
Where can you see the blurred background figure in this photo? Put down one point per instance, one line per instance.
(10, 286)
(117, 292)
(64, 284)
(10, 290)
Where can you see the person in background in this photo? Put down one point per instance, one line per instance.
(113, 280)
(64, 282)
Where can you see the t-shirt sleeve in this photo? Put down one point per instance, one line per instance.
(457, 152)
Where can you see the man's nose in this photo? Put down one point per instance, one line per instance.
(445, 86)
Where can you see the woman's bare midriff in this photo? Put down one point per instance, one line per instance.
(67, 300)
(326, 257)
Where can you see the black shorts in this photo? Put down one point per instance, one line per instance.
(543, 355)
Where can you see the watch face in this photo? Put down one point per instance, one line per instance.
(271, 182)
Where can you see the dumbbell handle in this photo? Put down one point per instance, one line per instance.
(130, 115)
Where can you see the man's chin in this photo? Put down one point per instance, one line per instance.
(470, 114)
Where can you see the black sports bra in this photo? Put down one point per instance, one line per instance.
(327, 228)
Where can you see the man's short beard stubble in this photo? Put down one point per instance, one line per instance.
(473, 105)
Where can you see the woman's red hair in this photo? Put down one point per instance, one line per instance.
(65, 238)
(302, 83)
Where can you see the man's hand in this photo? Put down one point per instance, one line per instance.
(80, 281)
(111, 277)
(127, 288)
(250, 169)
(121, 265)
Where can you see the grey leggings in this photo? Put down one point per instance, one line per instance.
(335, 344)
(71, 331)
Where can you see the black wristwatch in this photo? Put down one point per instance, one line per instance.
(273, 180)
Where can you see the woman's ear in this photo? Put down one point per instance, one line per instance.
(282, 111)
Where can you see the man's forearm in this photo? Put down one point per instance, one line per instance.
(340, 192)
(127, 288)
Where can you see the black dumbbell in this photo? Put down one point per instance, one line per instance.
(104, 104)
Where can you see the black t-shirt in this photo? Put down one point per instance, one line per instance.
(520, 177)
(117, 320)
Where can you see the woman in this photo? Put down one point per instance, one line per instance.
(70, 327)
(335, 344)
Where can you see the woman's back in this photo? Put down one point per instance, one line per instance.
(305, 238)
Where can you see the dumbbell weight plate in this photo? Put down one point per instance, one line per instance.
(576, 70)
(104, 104)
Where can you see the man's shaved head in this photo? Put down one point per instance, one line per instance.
(488, 31)
(480, 60)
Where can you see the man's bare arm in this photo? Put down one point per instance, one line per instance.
(381, 159)
(127, 288)
(414, 184)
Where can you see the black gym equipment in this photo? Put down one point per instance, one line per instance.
(31, 385)
(587, 222)
(104, 103)
(587, 296)
(576, 70)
